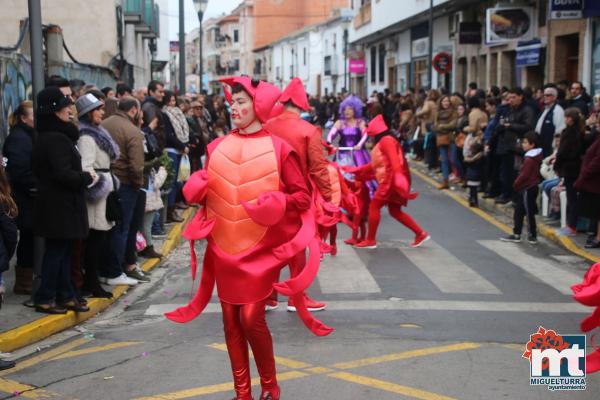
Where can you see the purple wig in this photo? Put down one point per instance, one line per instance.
(354, 102)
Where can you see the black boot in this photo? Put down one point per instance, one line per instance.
(5, 364)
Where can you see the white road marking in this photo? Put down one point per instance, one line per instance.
(447, 272)
(416, 305)
(346, 273)
(540, 268)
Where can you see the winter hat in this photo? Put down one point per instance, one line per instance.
(51, 100)
(296, 93)
(264, 95)
(87, 103)
(377, 126)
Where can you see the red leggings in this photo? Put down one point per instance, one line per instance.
(395, 211)
(245, 324)
(330, 231)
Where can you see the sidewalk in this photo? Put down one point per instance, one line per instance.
(21, 326)
(501, 215)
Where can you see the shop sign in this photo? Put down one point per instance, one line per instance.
(509, 24)
(357, 66)
(528, 53)
(566, 9)
(469, 33)
(174, 46)
(420, 47)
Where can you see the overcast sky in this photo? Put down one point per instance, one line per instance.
(215, 8)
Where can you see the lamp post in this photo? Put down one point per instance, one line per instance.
(200, 6)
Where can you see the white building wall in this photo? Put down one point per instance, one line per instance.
(83, 23)
(387, 12)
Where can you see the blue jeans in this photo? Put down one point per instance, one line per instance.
(548, 184)
(456, 160)
(176, 159)
(56, 273)
(445, 161)
(118, 236)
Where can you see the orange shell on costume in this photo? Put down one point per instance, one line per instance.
(336, 188)
(378, 164)
(240, 169)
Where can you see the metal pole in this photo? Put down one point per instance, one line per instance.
(430, 66)
(201, 69)
(37, 81)
(181, 48)
(346, 59)
(37, 57)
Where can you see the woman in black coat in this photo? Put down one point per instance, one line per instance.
(60, 213)
(17, 150)
(568, 162)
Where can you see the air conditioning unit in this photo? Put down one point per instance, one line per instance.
(454, 22)
(391, 45)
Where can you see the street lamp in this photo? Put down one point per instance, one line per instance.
(200, 6)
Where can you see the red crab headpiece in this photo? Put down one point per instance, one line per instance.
(377, 126)
(296, 93)
(264, 95)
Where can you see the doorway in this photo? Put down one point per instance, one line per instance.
(567, 57)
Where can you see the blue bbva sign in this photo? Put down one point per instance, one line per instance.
(566, 9)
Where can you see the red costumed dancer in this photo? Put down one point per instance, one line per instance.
(345, 201)
(256, 217)
(305, 139)
(588, 293)
(390, 169)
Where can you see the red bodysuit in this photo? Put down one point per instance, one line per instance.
(257, 215)
(389, 167)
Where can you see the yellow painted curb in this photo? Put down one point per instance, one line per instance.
(49, 325)
(545, 230)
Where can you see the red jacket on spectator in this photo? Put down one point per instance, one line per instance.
(589, 177)
(529, 175)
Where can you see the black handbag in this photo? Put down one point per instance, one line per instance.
(114, 212)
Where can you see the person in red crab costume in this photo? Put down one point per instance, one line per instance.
(389, 167)
(256, 216)
(588, 294)
(305, 139)
(346, 206)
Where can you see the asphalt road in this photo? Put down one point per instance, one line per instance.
(446, 321)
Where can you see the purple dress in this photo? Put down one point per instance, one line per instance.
(350, 137)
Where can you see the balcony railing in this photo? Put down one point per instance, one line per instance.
(145, 15)
(363, 16)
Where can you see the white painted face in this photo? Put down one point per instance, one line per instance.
(242, 109)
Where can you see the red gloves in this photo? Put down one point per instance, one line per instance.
(196, 187)
(269, 208)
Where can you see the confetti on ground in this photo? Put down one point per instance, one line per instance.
(16, 393)
(89, 336)
(106, 378)
(145, 354)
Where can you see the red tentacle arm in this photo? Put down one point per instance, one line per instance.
(314, 325)
(196, 187)
(198, 303)
(303, 280)
(268, 209)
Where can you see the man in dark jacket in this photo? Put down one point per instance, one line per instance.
(129, 169)
(519, 121)
(151, 107)
(578, 99)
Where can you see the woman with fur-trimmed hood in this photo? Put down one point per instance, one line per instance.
(98, 150)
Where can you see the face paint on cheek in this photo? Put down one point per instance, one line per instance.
(245, 112)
